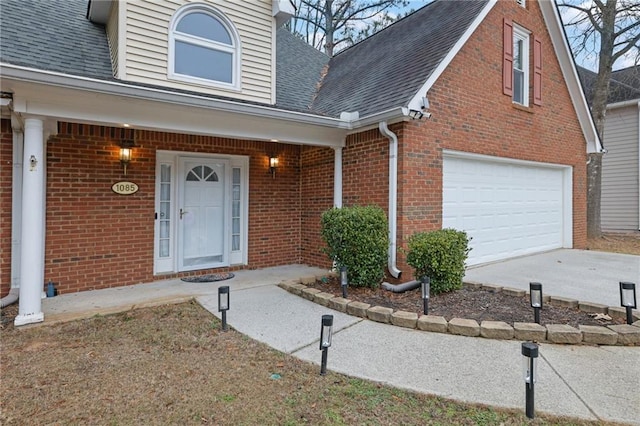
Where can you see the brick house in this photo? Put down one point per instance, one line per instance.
(466, 114)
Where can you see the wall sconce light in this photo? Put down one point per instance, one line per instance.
(325, 341)
(425, 283)
(530, 373)
(126, 149)
(273, 165)
(628, 299)
(535, 298)
(344, 281)
(223, 304)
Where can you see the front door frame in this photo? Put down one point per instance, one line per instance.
(236, 203)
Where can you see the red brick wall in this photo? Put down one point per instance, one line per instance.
(97, 239)
(469, 113)
(316, 188)
(6, 170)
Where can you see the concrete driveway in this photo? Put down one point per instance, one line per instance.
(589, 276)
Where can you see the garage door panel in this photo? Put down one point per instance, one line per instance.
(509, 209)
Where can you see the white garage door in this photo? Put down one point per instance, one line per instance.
(508, 208)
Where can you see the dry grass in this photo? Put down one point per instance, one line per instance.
(173, 365)
(627, 243)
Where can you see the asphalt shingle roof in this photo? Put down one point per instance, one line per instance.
(387, 69)
(53, 35)
(298, 70)
(384, 71)
(624, 84)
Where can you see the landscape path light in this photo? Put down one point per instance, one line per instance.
(530, 373)
(223, 304)
(425, 285)
(628, 299)
(535, 298)
(344, 281)
(325, 341)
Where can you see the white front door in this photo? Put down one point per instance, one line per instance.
(203, 213)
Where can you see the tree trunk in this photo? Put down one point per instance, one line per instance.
(594, 189)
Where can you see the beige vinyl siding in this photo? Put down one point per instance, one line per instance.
(112, 37)
(620, 170)
(148, 38)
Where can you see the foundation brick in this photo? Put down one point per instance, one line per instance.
(432, 323)
(339, 304)
(404, 319)
(496, 330)
(379, 314)
(627, 334)
(358, 309)
(464, 327)
(598, 335)
(529, 331)
(562, 333)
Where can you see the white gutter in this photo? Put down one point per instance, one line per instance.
(56, 79)
(393, 198)
(633, 102)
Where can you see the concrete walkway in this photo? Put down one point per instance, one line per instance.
(598, 383)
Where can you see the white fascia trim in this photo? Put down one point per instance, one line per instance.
(9, 71)
(633, 102)
(391, 116)
(570, 73)
(416, 102)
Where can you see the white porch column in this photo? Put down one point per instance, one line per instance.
(33, 231)
(337, 177)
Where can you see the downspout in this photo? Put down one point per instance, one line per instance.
(16, 212)
(393, 198)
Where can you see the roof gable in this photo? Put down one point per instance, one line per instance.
(387, 69)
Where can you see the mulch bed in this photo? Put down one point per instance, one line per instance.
(470, 303)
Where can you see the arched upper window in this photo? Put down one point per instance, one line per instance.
(204, 47)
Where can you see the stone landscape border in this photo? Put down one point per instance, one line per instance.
(619, 334)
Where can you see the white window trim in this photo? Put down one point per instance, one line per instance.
(235, 49)
(522, 3)
(520, 33)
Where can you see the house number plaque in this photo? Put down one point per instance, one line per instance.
(124, 188)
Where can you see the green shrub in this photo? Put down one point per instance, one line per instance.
(357, 237)
(440, 255)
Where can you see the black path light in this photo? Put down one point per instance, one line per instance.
(425, 285)
(535, 298)
(223, 304)
(344, 281)
(325, 340)
(628, 299)
(530, 373)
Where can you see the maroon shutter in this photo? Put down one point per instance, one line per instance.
(507, 63)
(537, 71)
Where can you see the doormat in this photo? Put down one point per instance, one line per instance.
(208, 278)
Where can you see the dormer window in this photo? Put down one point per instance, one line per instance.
(204, 48)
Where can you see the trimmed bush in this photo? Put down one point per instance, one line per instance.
(440, 255)
(357, 237)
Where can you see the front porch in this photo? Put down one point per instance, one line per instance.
(86, 304)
